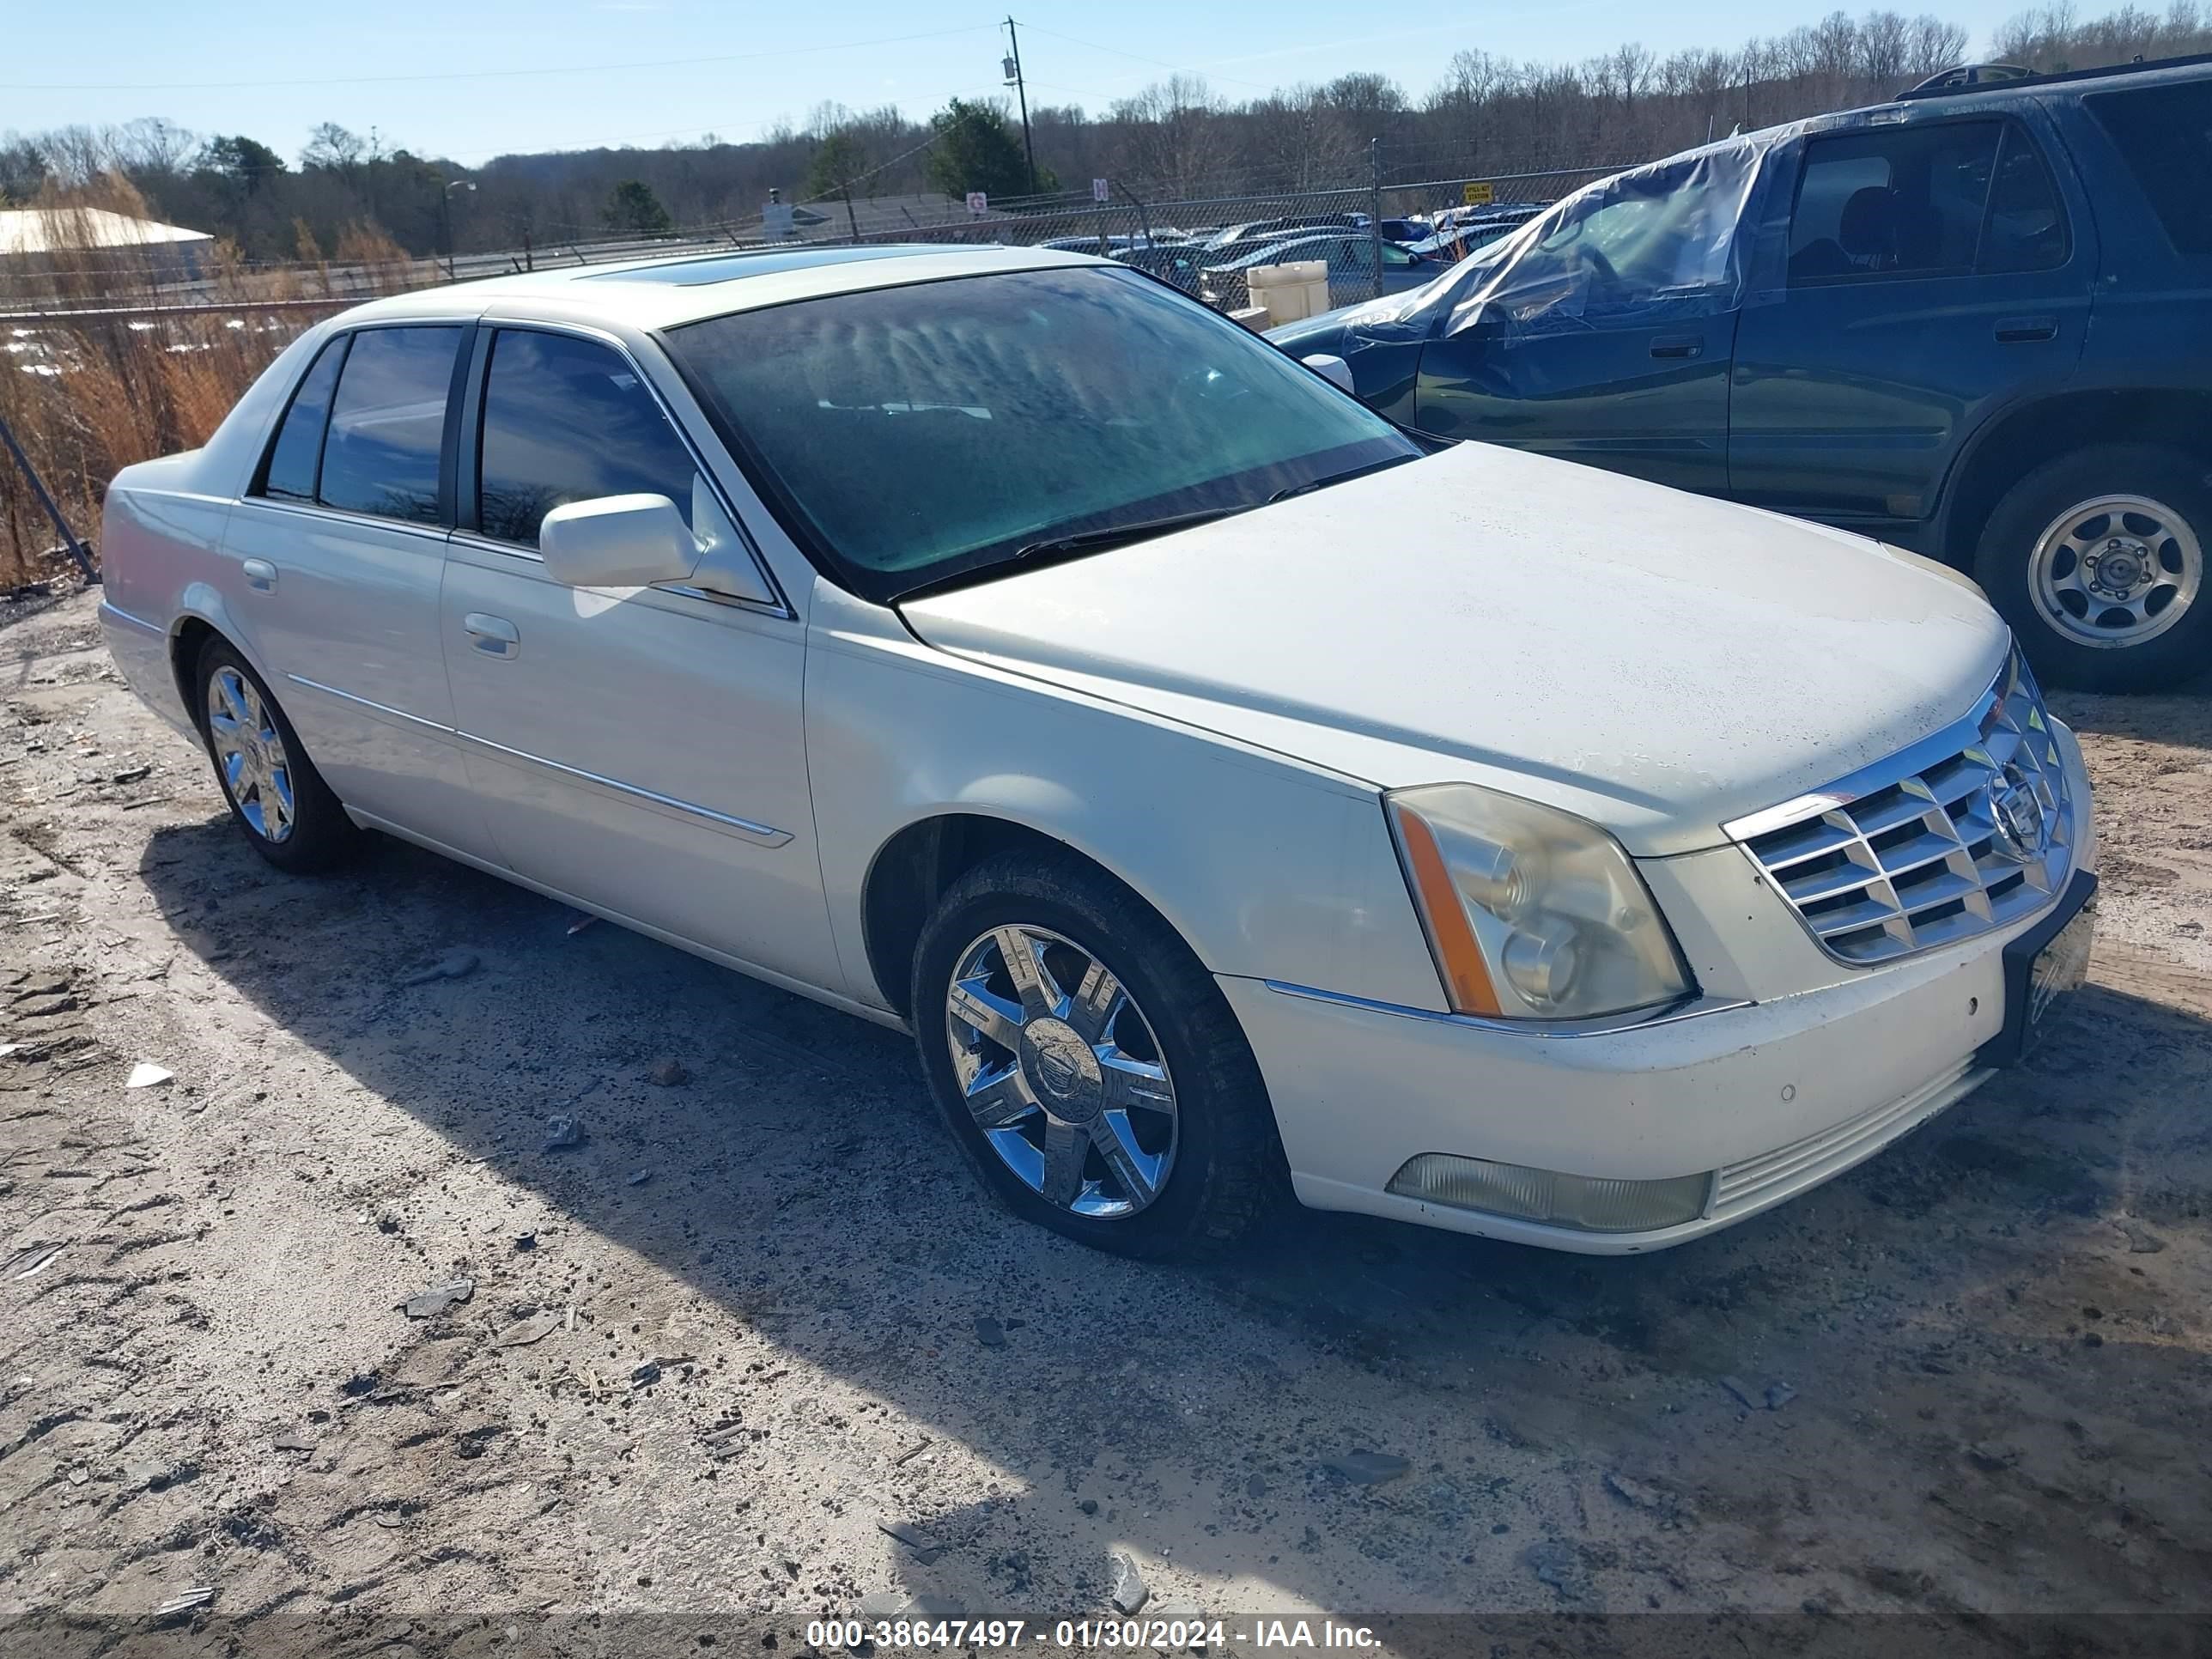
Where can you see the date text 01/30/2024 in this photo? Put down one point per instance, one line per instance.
(1085, 1634)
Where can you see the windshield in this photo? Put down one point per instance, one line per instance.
(914, 435)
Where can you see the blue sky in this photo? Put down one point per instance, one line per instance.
(649, 72)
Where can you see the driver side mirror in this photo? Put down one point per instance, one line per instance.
(1332, 368)
(617, 541)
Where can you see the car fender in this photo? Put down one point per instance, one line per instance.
(1267, 868)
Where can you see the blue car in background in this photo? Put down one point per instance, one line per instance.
(1975, 322)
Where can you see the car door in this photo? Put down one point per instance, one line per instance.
(1607, 339)
(1935, 275)
(339, 543)
(639, 750)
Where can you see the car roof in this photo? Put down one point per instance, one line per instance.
(665, 292)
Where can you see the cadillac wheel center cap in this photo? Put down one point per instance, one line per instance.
(1062, 1071)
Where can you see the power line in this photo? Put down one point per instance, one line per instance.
(479, 75)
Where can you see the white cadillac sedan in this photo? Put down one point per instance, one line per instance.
(1000, 646)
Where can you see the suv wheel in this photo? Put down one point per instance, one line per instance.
(2097, 559)
(275, 792)
(1087, 1063)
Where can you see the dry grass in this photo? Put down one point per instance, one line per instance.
(86, 395)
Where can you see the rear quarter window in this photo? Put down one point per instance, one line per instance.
(2164, 135)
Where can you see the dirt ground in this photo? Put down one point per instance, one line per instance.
(761, 1315)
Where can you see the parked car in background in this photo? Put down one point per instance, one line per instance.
(968, 639)
(1351, 262)
(1282, 224)
(1180, 265)
(1975, 322)
(1406, 232)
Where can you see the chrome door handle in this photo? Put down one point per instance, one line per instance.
(1679, 345)
(260, 575)
(494, 636)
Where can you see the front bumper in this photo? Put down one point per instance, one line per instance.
(1768, 1095)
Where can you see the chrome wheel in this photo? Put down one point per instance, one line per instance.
(2115, 571)
(1062, 1072)
(249, 752)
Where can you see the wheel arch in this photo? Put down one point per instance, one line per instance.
(2015, 443)
(912, 871)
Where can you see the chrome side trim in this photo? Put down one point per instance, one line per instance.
(340, 518)
(377, 708)
(765, 834)
(121, 615)
(1609, 1026)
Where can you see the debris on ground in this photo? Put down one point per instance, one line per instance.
(455, 964)
(198, 1596)
(2141, 1240)
(43, 1254)
(670, 1073)
(430, 1303)
(990, 1333)
(1634, 1492)
(562, 1132)
(1772, 1397)
(582, 919)
(524, 1332)
(1368, 1468)
(145, 1074)
(638, 1177)
(645, 1375)
(1129, 1591)
(295, 1440)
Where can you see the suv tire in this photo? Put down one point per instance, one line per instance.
(1216, 1156)
(2026, 562)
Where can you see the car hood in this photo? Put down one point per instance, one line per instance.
(1658, 663)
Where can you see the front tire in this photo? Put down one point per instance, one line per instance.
(1088, 1065)
(275, 793)
(2098, 559)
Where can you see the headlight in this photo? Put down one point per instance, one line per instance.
(1531, 913)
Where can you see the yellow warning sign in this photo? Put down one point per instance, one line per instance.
(1481, 194)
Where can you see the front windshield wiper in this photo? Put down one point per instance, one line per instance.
(1349, 473)
(1121, 535)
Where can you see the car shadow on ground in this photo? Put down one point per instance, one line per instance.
(802, 1181)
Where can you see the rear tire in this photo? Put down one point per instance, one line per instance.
(2097, 560)
(275, 793)
(1053, 1084)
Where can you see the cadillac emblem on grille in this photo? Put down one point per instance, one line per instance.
(1966, 831)
(2015, 815)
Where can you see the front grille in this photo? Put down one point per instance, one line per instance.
(1954, 837)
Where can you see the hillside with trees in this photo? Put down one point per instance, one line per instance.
(1176, 139)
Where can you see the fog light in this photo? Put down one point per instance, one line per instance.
(1590, 1204)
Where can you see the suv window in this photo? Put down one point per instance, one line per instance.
(1897, 202)
(2164, 134)
(388, 423)
(2026, 229)
(567, 420)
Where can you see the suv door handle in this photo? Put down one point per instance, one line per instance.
(494, 636)
(1679, 345)
(2016, 330)
(260, 575)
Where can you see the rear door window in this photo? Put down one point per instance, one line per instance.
(298, 450)
(387, 424)
(567, 420)
(2027, 226)
(1896, 201)
(2164, 134)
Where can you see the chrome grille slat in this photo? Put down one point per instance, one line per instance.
(1910, 854)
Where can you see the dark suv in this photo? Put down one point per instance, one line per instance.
(1975, 322)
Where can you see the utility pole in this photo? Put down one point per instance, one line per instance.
(1014, 67)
